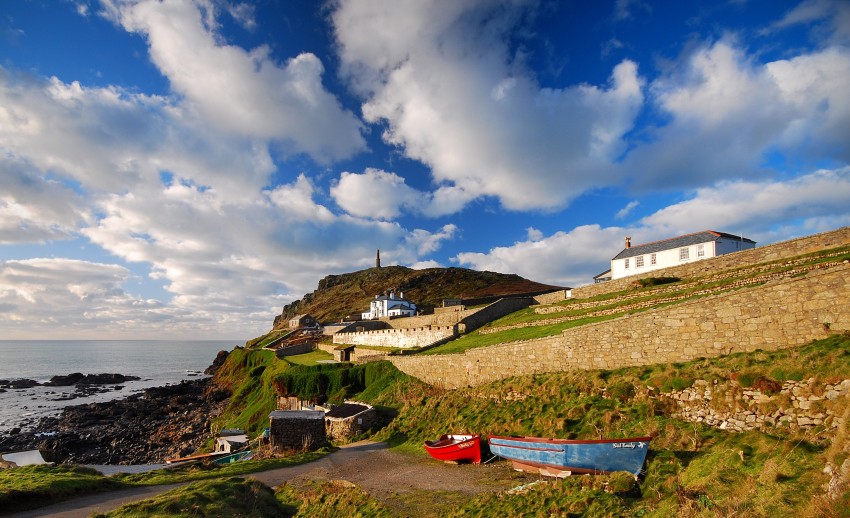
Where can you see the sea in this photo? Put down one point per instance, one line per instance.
(156, 362)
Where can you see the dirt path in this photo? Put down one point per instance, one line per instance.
(411, 485)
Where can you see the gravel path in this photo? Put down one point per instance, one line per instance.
(410, 485)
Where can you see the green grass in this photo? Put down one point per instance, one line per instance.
(692, 469)
(250, 376)
(311, 358)
(194, 472)
(29, 487)
(330, 498)
(236, 497)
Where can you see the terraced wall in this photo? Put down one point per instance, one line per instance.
(777, 315)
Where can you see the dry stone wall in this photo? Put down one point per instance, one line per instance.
(402, 338)
(799, 405)
(777, 315)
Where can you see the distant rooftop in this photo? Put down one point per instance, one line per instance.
(696, 238)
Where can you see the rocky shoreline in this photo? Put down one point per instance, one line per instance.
(150, 427)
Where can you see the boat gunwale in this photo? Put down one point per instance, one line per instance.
(528, 439)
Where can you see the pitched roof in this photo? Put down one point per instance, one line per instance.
(696, 238)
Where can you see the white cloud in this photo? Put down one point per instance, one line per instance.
(57, 298)
(245, 93)
(834, 16)
(534, 234)
(625, 211)
(375, 194)
(425, 242)
(566, 259)
(728, 113)
(34, 209)
(453, 97)
(758, 206)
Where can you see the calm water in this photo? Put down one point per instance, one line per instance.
(157, 362)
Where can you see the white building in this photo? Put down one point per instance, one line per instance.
(634, 260)
(389, 306)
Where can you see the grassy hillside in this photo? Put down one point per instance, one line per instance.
(692, 469)
(338, 296)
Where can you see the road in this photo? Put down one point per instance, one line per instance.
(386, 475)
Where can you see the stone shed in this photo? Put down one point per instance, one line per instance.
(296, 430)
(343, 422)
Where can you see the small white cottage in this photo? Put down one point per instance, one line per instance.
(645, 258)
(389, 306)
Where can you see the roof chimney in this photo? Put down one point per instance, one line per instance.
(628, 242)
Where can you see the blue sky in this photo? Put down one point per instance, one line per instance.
(179, 168)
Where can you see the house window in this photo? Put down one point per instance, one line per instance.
(653, 260)
(639, 261)
(627, 263)
(700, 250)
(684, 254)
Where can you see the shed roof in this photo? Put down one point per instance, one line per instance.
(346, 410)
(297, 414)
(696, 238)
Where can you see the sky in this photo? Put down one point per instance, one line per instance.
(182, 169)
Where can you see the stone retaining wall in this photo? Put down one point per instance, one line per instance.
(777, 315)
(799, 405)
(402, 338)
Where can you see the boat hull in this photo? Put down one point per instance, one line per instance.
(561, 457)
(455, 448)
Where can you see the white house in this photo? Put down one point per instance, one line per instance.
(634, 260)
(389, 306)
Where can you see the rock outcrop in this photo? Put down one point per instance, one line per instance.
(150, 427)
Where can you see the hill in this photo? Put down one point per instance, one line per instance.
(338, 296)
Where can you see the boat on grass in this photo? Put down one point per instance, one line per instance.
(198, 457)
(563, 457)
(234, 457)
(455, 448)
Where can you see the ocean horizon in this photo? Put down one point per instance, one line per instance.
(156, 362)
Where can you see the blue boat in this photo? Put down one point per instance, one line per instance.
(562, 457)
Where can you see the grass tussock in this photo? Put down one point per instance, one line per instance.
(236, 497)
(29, 487)
(330, 498)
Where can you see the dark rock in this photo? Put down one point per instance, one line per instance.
(65, 381)
(22, 383)
(220, 358)
(79, 378)
(158, 424)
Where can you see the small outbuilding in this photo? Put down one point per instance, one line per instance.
(302, 321)
(230, 442)
(343, 352)
(296, 430)
(345, 421)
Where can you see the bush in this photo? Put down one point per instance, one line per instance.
(656, 281)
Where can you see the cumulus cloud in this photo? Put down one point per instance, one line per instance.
(727, 113)
(566, 259)
(40, 296)
(243, 92)
(758, 205)
(35, 209)
(375, 194)
(453, 96)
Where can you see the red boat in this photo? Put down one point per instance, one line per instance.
(455, 448)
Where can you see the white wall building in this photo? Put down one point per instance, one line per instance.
(389, 306)
(634, 260)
